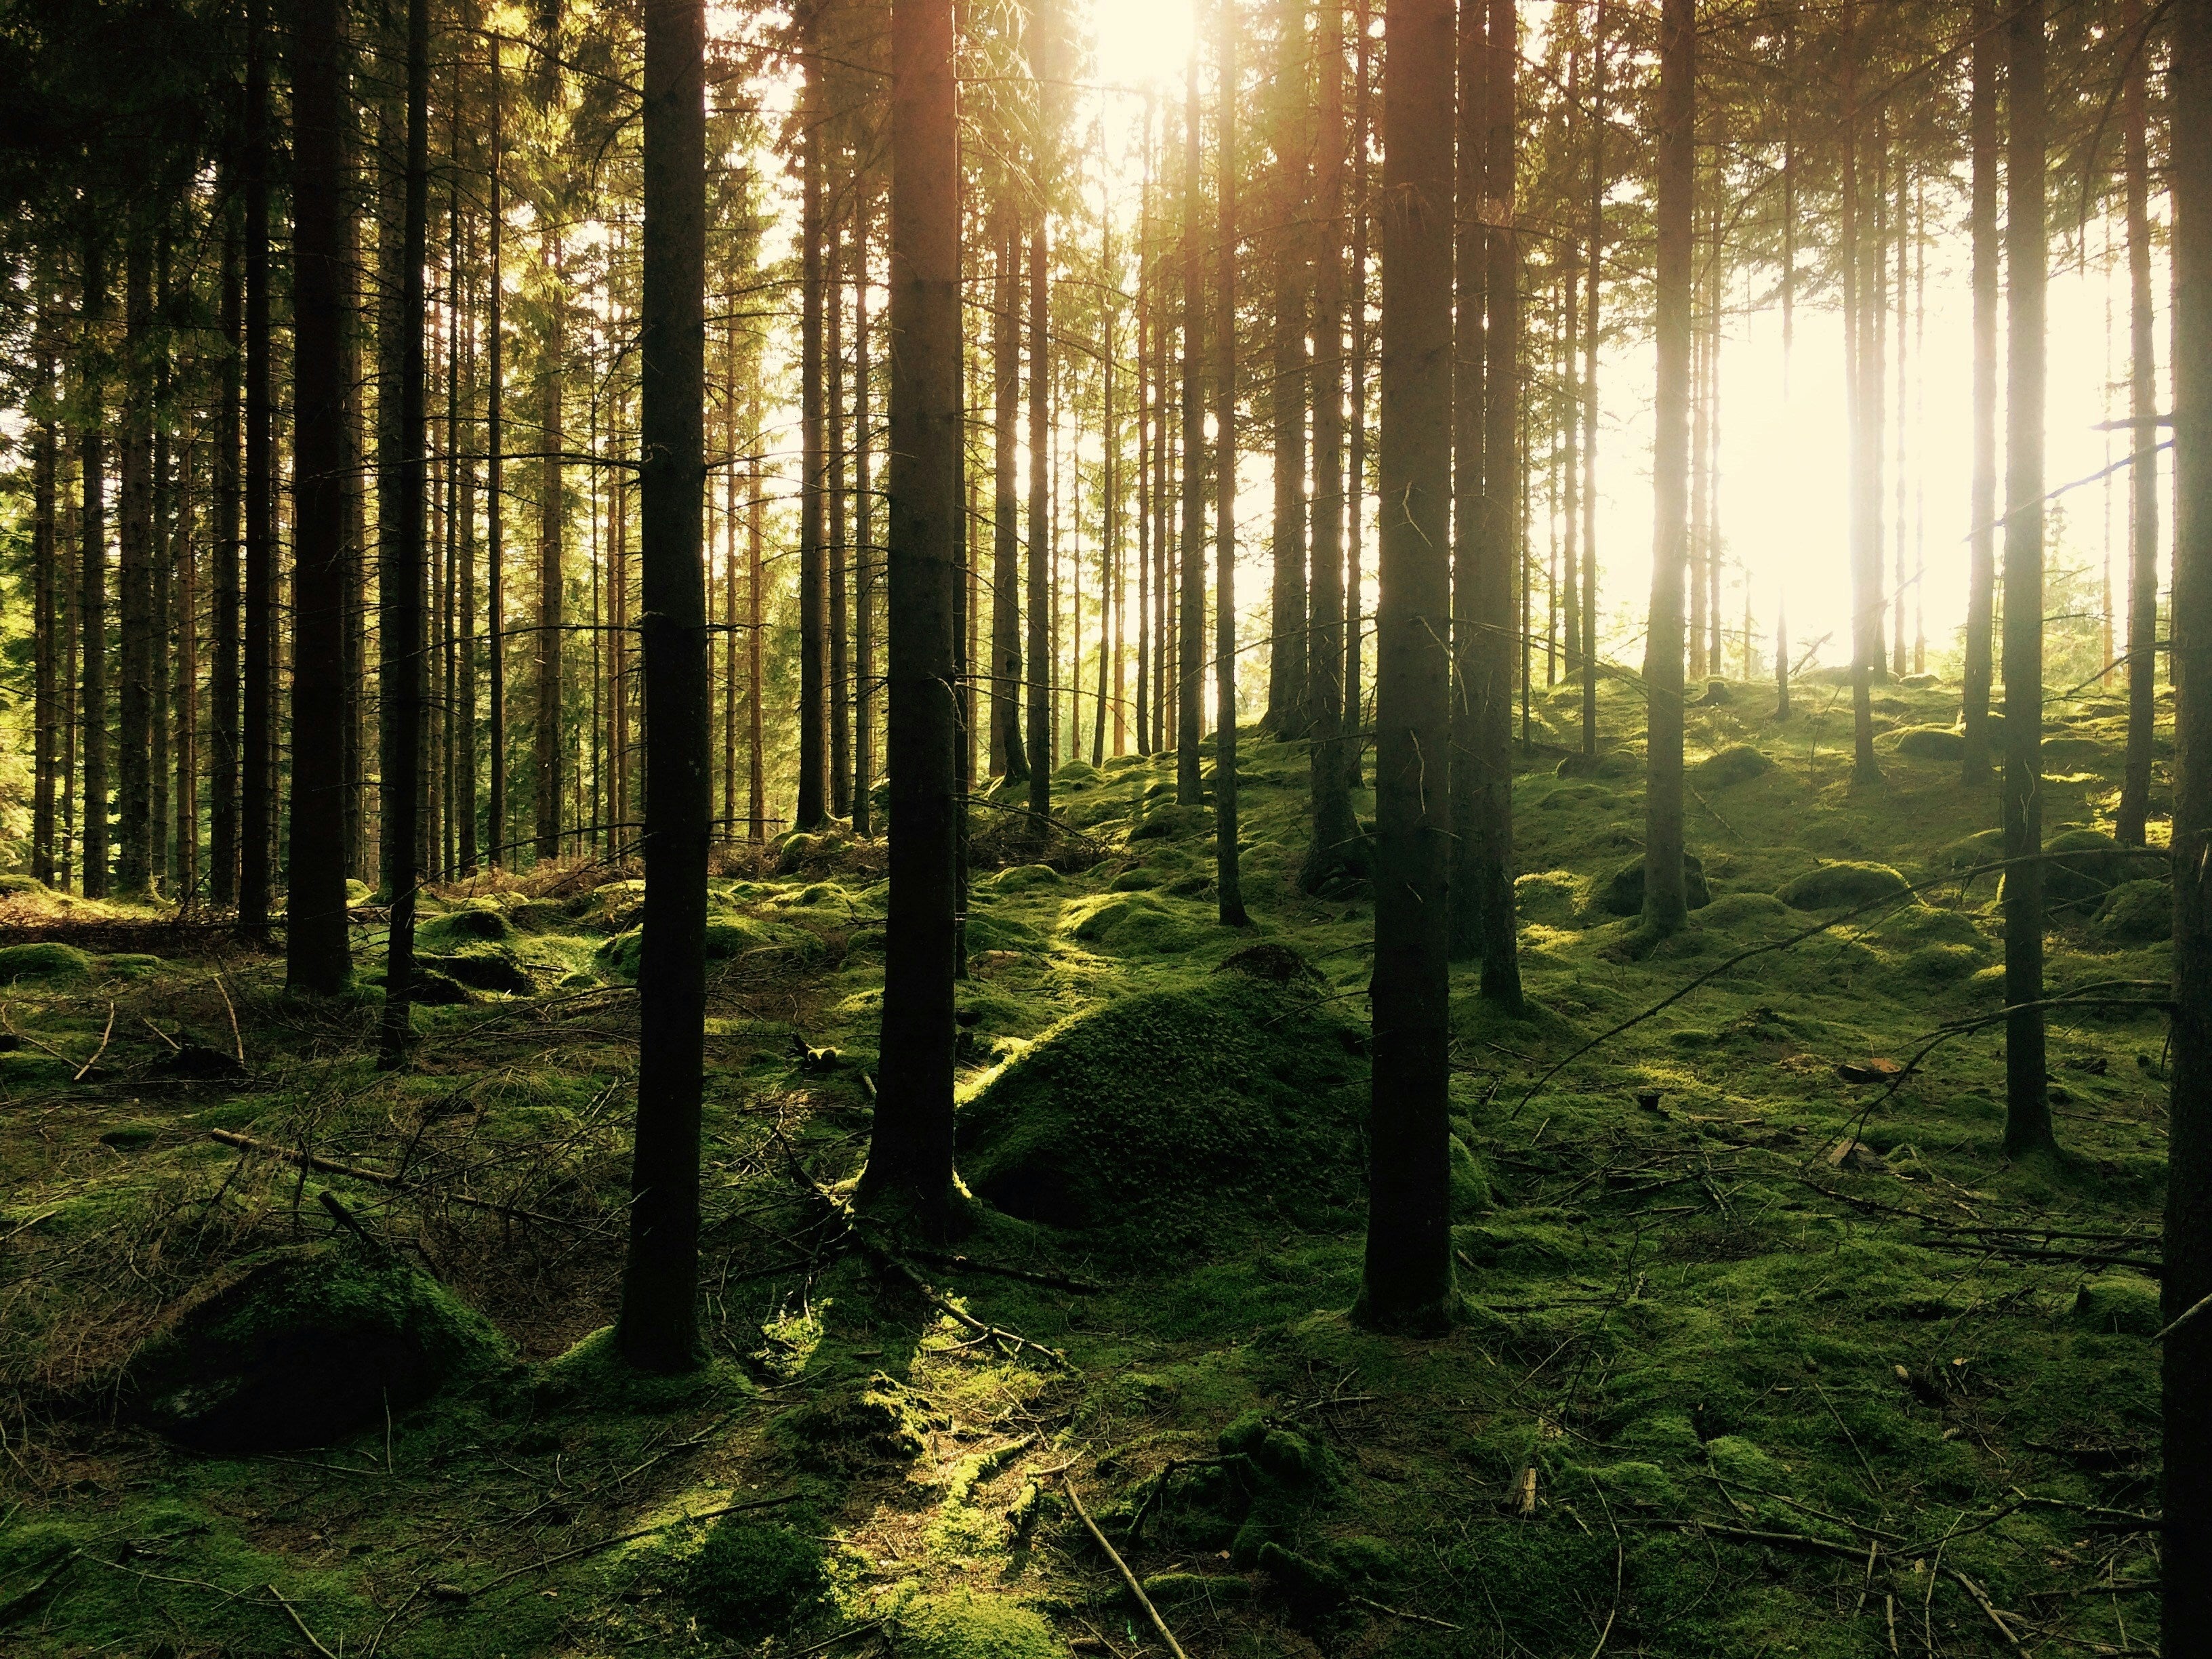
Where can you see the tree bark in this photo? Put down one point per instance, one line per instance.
(1190, 648)
(1040, 596)
(134, 728)
(1355, 537)
(864, 586)
(812, 810)
(495, 785)
(316, 957)
(1227, 877)
(2142, 476)
(399, 580)
(910, 1152)
(2185, 1545)
(1863, 398)
(1470, 277)
(1334, 829)
(1407, 1279)
(1287, 712)
(258, 761)
(841, 660)
(47, 623)
(658, 1327)
(1009, 760)
(224, 669)
(2027, 1106)
(552, 533)
(1592, 274)
(1665, 896)
(92, 594)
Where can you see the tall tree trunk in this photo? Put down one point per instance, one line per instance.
(1040, 599)
(45, 599)
(1334, 829)
(841, 662)
(1863, 398)
(755, 761)
(258, 810)
(1981, 493)
(1592, 273)
(134, 730)
(863, 590)
(2027, 1107)
(1228, 879)
(2142, 476)
(1498, 553)
(188, 686)
(223, 669)
(1406, 1280)
(399, 579)
(1190, 648)
(1355, 535)
(910, 1152)
(316, 954)
(468, 850)
(1470, 274)
(92, 594)
(496, 788)
(353, 764)
(1149, 432)
(552, 533)
(2185, 1545)
(1666, 894)
(658, 1327)
(1009, 760)
(812, 810)
(1287, 713)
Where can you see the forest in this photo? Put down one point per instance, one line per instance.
(984, 829)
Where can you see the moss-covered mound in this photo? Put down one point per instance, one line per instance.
(44, 961)
(748, 1578)
(301, 1346)
(2136, 912)
(2090, 865)
(1622, 892)
(1737, 763)
(974, 1627)
(1176, 1121)
(476, 924)
(1843, 886)
(1931, 743)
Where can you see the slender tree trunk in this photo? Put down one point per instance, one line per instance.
(1470, 275)
(2142, 476)
(841, 662)
(1407, 1276)
(1334, 829)
(188, 685)
(316, 954)
(161, 595)
(1287, 713)
(1041, 598)
(812, 810)
(1009, 760)
(755, 761)
(257, 839)
(863, 590)
(1981, 493)
(496, 788)
(1498, 553)
(399, 581)
(1110, 531)
(223, 671)
(1190, 650)
(1592, 274)
(1355, 535)
(658, 1327)
(1862, 416)
(910, 1153)
(353, 762)
(92, 594)
(134, 731)
(46, 608)
(468, 851)
(1228, 879)
(1665, 896)
(1149, 432)
(2185, 1544)
(552, 533)
(2027, 1107)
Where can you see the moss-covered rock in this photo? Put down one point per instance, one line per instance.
(987, 932)
(486, 967)
(473, 924)
(1177, 1119)
(46, 960)
(1021, 878)
(1931, 743)
(1843, 886)
(1470, 1184)
(1621, 893)
(965, 1626)
(303, 1346)
(2119, 1304)
(1173, 822)
(750, 1579)
(2136, 912)
(1737, 763)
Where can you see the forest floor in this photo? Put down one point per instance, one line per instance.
(1766, 1350)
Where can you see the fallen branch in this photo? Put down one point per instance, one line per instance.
(1412, 1618)
(456, 1592)
(300, 1624)
(379, 1178)
(1127, 1577)
(2192, 1312)
(968, 1264)
(101, 1050)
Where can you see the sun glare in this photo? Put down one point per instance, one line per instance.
(1142, 43)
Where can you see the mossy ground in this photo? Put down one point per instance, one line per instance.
(1777, 1304)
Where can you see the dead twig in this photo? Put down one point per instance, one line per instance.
(300, 1624)
(101, 1050)
(379, 1178)
(456, 1594)
(1127, 1577)
(237, 1040)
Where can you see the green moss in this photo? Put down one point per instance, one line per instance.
(1930, 743)
(1175, 1589)
(1173, 822)
(46, 960)
(1621, 894)
(131, 1137)
(851, 1428)
(726, 939)
(1738, 763)
(965, 1626)
(1173, 1121)
(1021, 878)
(2091, 866)
(750, 1579)
(131, 964)
(2119, 1303)
(301, 1345)
(474, 924)
(1470, 1186)
(989, 933)
(1843, 886)
(2136, 912)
